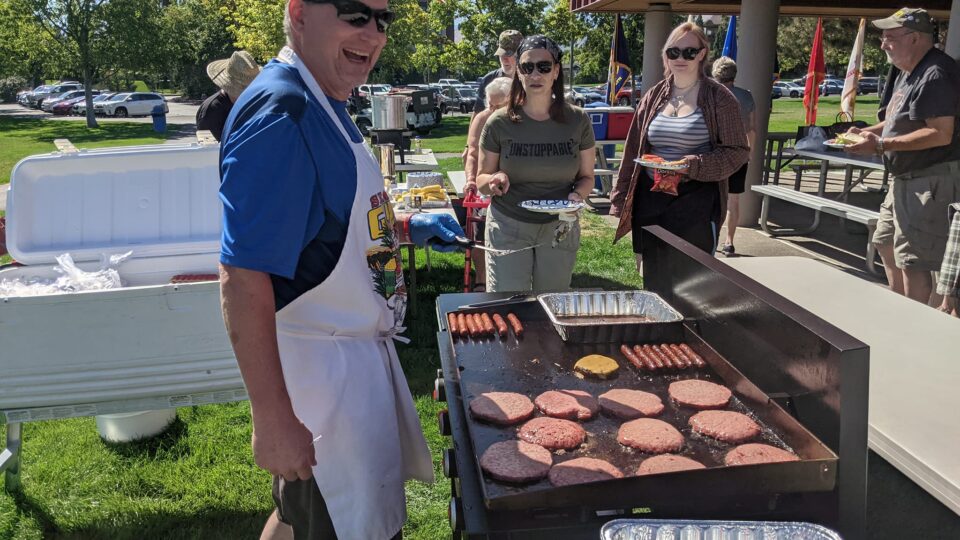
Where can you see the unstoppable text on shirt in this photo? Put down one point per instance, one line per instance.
(540, 150)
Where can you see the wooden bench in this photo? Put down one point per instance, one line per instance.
(819, 204)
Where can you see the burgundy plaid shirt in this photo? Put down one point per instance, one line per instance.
(730, 151)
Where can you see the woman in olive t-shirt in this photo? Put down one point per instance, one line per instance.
(539, 147)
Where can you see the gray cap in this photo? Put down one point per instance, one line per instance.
(913, 18)
(509, 41)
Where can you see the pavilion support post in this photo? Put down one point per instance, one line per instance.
(655, 31)
(755, 73)
(953, 35)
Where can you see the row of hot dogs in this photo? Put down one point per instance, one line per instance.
(478, 325)
(664, 356)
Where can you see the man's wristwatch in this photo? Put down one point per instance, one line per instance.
(880, 145)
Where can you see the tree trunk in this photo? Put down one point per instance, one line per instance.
(88, 95)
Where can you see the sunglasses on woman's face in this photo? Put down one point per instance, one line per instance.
(688, 53)
(359, 14)
(546, 66)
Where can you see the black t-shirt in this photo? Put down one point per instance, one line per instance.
(212, 114)
(931, 90)
(481, 102)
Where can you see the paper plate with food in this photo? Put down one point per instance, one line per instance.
(843, 140)
(654, 161)
(552, 206)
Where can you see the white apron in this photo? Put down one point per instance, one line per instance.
(341, 368)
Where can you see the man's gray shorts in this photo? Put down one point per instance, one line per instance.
(300, 505)
(913, 218)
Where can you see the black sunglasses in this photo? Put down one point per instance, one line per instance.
(359, 14)
(545, 66)
(689, 53)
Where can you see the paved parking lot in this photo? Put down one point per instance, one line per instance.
(180, 113)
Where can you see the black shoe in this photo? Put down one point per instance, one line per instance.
(727, 250)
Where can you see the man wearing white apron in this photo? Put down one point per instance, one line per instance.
(312, 285)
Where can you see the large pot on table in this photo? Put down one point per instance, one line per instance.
(389, 112)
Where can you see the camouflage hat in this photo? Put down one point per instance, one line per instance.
(509, 41)
(913, 18)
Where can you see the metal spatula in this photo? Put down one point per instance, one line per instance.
(466, 243)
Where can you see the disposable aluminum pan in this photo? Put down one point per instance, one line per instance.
(612, 317)
(656, 529)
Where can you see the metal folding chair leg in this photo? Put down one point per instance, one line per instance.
(765, 213)
(10, 458)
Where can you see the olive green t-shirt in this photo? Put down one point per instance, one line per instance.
(541, 158)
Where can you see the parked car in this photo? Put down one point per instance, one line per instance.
(443, 83)
(623, 96)
(776, 93)
(80, 107)
(36, 100)
(367, 90)
(65, 106)
(789, 89)
(131, 104)
(461, 98)
(869, 85)
(49, 102)
(830, 87)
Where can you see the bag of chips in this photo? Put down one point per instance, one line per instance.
(666, 182)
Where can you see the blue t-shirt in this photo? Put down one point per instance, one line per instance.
(288, 181)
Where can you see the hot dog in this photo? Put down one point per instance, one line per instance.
(694, 357)
(645, 358)
(462, 326)
(472, 326)
(516, 324)
(680, 354)
(478, 321)
(648, 350)
(488, 328)
(452, 324)
(680, 363)
(501, 324)
(632, 357)
(667, 361)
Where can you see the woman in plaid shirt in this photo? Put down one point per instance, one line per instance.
(686, 117)
(949, 283)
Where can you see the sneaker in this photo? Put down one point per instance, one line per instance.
(727, 249)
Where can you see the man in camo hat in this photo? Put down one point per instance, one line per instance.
(507, 54)
(919, 141)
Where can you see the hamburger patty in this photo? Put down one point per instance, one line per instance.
(650, 435)
(699, 394)
(727, 426)
(667, 463)
(553, 433)
(516, 461)
(581, 471)
(504, 408)
(748, 454)
(629, 404)
(569, 404)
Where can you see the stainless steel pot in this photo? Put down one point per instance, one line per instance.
(389, 112)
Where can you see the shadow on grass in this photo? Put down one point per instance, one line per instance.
(152, 446)
(39, 130)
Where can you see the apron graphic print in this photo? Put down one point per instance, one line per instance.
(383, 259)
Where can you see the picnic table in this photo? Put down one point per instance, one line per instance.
(826, 157)
(914, 367)
(423, 162)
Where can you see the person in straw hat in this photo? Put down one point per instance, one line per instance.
(232, 75)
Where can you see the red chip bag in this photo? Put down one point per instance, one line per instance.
(666, 182)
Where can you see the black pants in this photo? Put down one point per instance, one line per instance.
(300, 505)
(694, 215)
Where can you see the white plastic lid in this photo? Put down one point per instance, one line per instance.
(157, 200)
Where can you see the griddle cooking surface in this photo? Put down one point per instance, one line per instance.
(541, 361)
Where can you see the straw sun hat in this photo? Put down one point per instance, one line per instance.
(233, 74)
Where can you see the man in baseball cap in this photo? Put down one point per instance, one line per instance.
(507, 53)
(919, 140)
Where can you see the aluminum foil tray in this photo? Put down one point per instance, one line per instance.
(612, 317)
(678, 529)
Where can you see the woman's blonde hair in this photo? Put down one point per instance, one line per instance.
(724, 69)
(677, 35)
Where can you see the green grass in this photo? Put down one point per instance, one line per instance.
(22, 137)
(198, 480)
(450, 136)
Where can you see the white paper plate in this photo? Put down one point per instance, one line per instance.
(659, 166)
(832, 143)
(551, 206)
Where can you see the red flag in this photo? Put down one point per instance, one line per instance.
(816, 73)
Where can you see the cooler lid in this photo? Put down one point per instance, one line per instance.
(157, 200)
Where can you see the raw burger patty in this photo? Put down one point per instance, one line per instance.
(727, 426)
(503, 408)
(748, 454)
(516, 461)
(581, 471)
(569, 404)
(651, 436)
(699, 394)
(553, 433)
(667, 463)
(630, 404)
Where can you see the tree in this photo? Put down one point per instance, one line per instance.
(256, 26)
(196, 33)
(25, 48)
(795, 39)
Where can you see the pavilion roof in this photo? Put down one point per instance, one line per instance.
(826, 8)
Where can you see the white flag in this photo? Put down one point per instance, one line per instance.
(848, 98)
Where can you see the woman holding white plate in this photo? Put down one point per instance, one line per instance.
(539, 148)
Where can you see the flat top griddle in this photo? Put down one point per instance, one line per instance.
(541, 361)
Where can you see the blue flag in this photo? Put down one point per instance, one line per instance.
(620, 72)
(730, 42)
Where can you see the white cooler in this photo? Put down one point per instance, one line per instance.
(148, 346)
